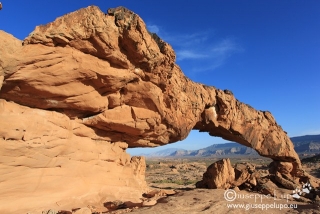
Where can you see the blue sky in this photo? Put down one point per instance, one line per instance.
(266, 52)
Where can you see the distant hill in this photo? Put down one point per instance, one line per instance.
(164, 153)
(308, 144)
(217, 150)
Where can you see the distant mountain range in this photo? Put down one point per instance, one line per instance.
(308, 144)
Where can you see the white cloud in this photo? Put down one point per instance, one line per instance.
(188, 54)
(202, 49)
(208, 55)
(225, 48)
(181, 40)
(153, 28)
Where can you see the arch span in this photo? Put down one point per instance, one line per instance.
(133, 92)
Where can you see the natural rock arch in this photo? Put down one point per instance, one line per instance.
(87, 86)
(179, 103)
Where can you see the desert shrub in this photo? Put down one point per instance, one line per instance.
(178, 181)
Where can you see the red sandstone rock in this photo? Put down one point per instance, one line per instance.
(114, 66)
(242, 173)
(84, 210)
(95, 84)
(219, 175)
(45, 165)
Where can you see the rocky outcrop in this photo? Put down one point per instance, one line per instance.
(269, 181)
(83, 88)
(45, 163)
(219, 175)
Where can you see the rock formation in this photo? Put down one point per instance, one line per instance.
(274, 181)
(221, 175)
(80, 90)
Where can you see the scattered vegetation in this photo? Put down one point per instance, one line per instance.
(312, 159)
(177, 172)
(179, 182)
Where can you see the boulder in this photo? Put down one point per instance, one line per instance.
(219, 175)
(284, 181)
(268, 188)
(242, 173)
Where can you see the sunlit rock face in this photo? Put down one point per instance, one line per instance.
(80, 90)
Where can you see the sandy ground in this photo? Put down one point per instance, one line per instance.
(181, 174)
(177, 178)
(213, 201)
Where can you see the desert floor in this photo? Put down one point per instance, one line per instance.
(180, 175)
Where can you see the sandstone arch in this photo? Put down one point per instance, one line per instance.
(87, 86)
(173, 103)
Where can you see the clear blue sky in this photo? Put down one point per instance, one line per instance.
(266, 52)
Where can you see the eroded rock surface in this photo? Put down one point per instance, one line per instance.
(83, 88)
(268, 181)
(219, 175)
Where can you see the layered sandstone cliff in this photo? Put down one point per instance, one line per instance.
(80, 90)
